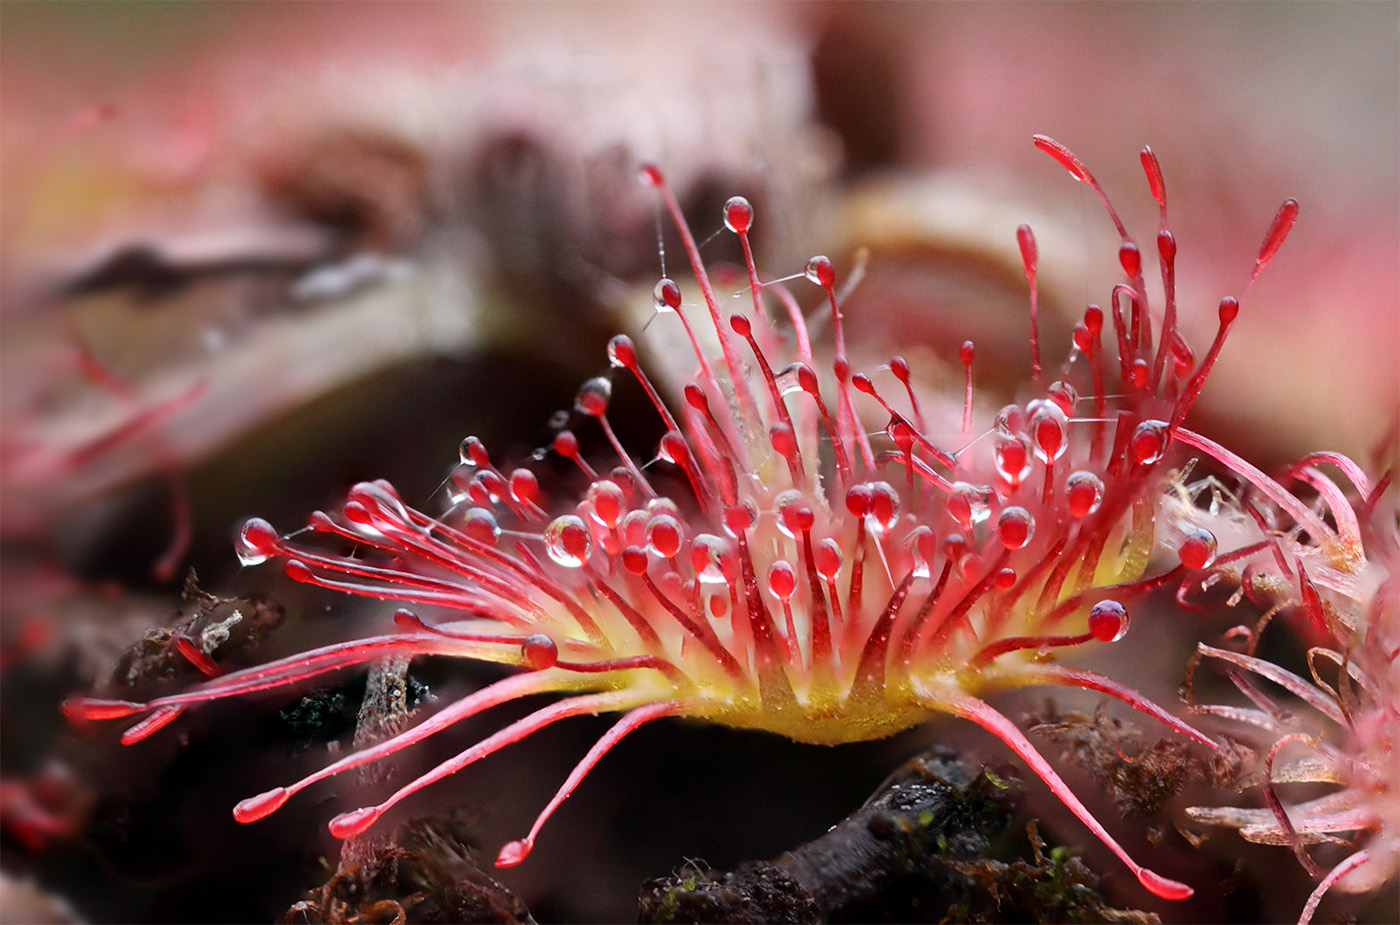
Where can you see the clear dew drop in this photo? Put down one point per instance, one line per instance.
(1064, 395)
(472, 452)
(1083, 339)
(1197, 549)
(1149, 442)
(568, 541)
(458, 485)
(592, 397)
(820, 271)
(738, 215)
(1049, 428)
(538, 651)
(923, 546)
(257, 542)
(1108, 621)
(969, 504)
(480, 524)
(664, 535)
(621, 351)
(633, 528)
(1015, 526)
(739, 518)
(790, 505)
(782, 581)
(672, 448)
(524, 486)
(666, 297)
(1009, 420)
(606, 503)
(1083, 493)
(1013, 459)
(884, 506)
(708, 555)
(662, 505)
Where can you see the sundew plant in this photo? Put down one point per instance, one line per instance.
(1337, 564)
(802, 552)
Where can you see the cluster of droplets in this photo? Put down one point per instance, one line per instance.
(794, 572)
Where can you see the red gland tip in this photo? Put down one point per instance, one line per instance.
(80, 709)
(348, 825)
(1025, 238)
(406, 619)
(859, 499)
(1166, 245)
(1084, 493)
(524, 486)
(158, 720)
(298, 570)
(664, 535)
(1197, 549)
(782, 581)
(1062, 154)
(634, 559)
(261, 806)
(1108, 621)
(1283, 223)
(820, 271)
(621, 352)
(739, 518)
(1082, 338)
(667, 295)
(1130, 258)
(258, 541)
(592, 398)
(738, 215)
(1093, 319)
(1149, 442)
(568, 540)
(1153, 170)
(566, 444)
(695, 396)
(539, 652)
(650, 175)
(1015, 525)
(784, 440)
(473, 452)
(514, 852)
(1161, 886)
(195, 655)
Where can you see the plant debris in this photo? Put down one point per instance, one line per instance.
(922, 848)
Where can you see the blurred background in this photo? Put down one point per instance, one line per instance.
(255, 252)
